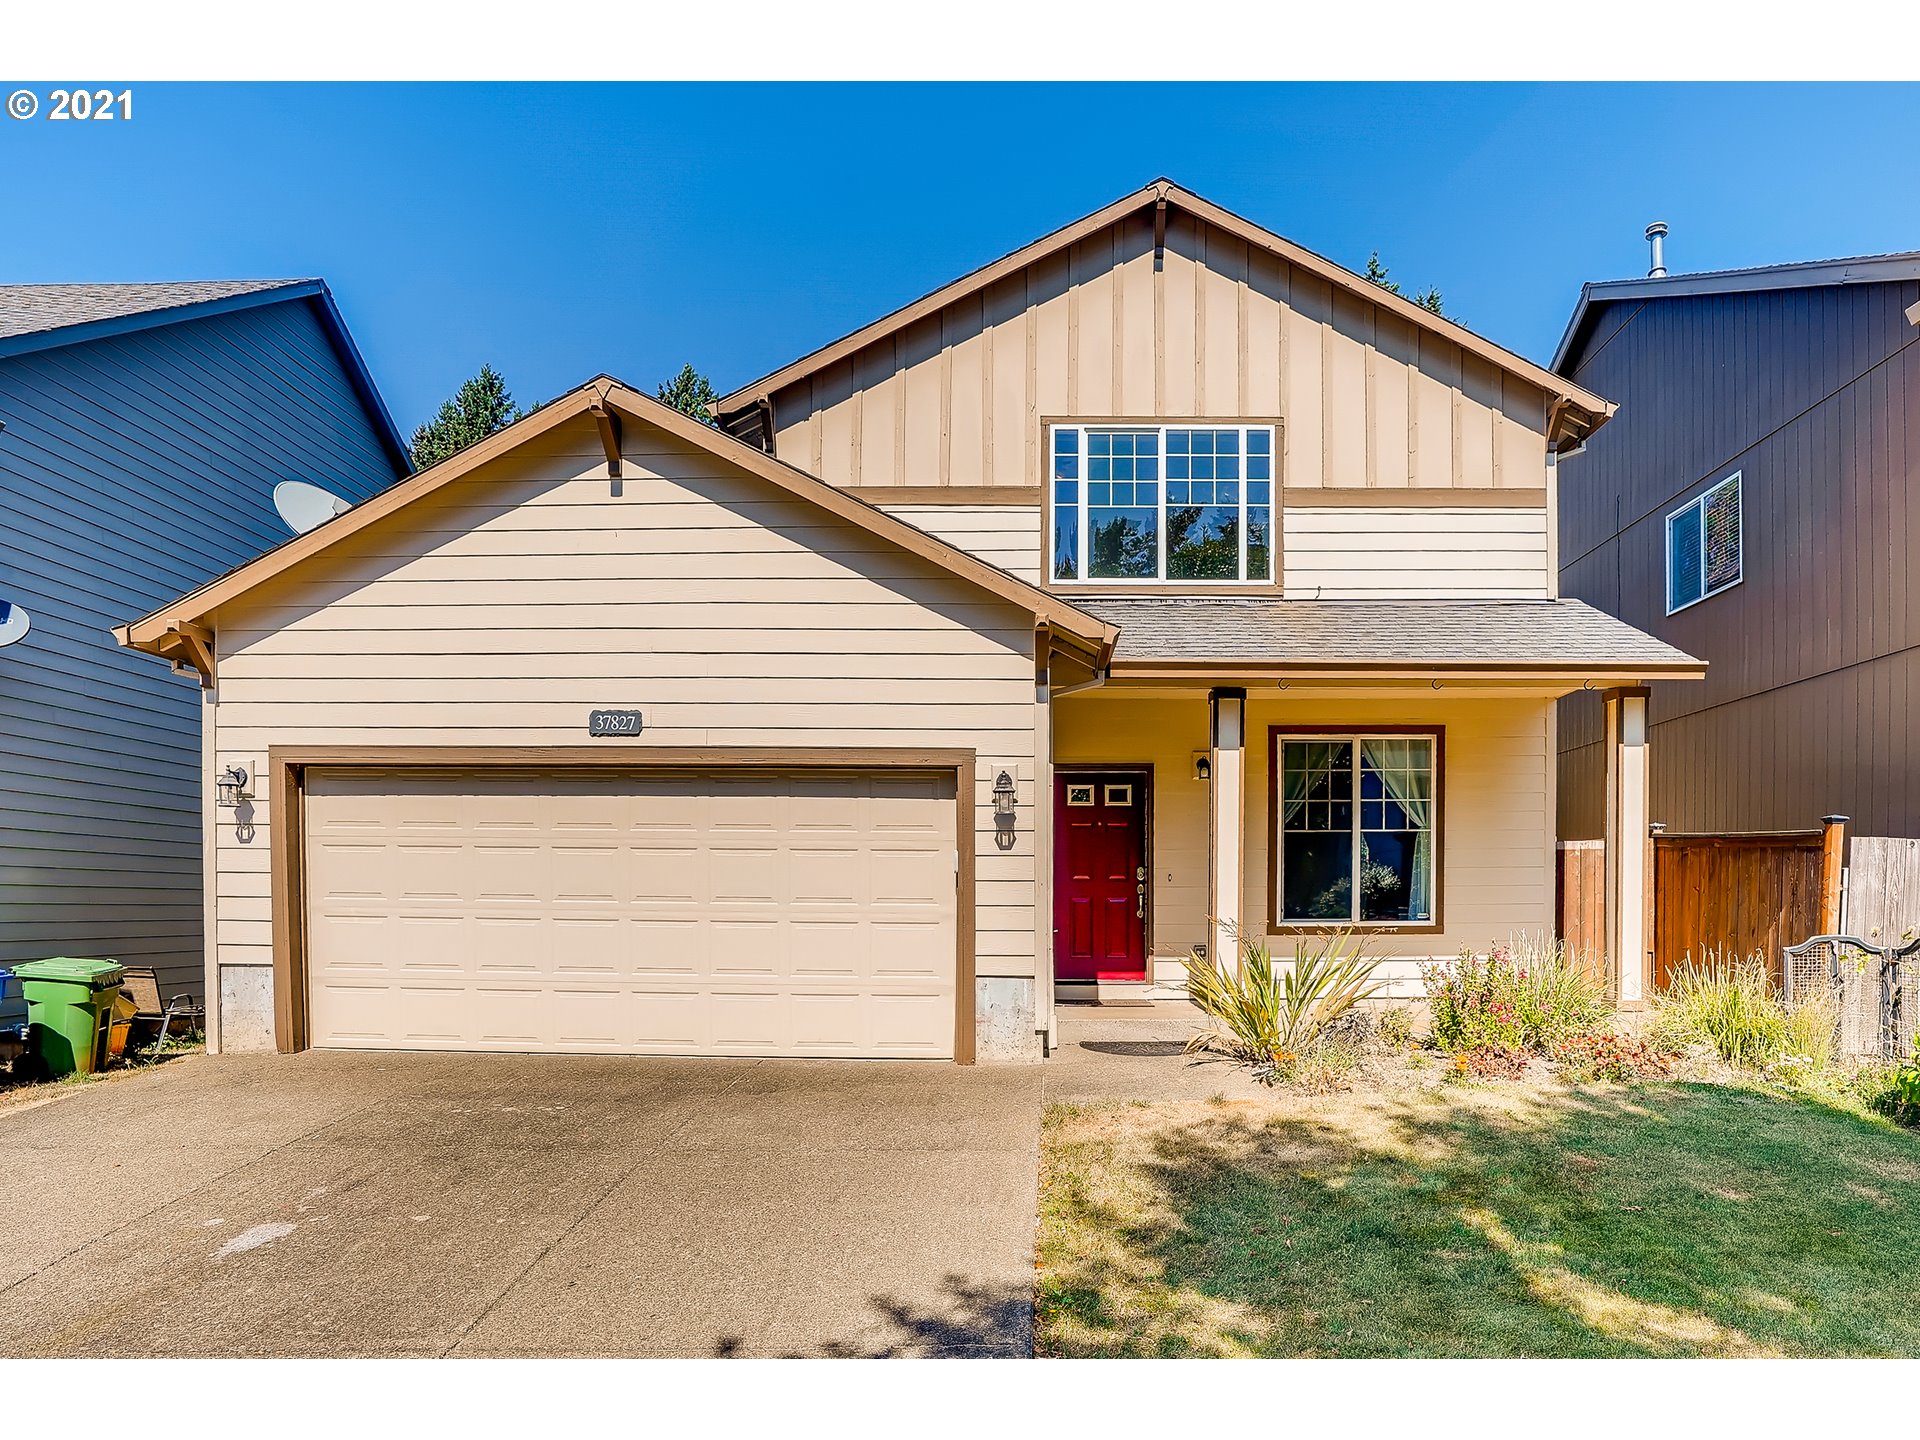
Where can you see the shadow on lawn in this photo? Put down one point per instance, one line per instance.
(1670, 1220)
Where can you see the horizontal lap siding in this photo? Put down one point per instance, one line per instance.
(1373, 552)
(1004, 535)
(1497, 847)
(503, 609)
(133, 469)
(1218, 329)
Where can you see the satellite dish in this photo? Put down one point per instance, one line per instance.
(303, 506)
(14, 623)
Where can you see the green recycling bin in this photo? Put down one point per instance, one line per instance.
(67, 1002)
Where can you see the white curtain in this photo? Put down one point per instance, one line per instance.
(1405, 768)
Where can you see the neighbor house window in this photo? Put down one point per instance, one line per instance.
(1356, 828)
(1162, 502)
(1703, 546)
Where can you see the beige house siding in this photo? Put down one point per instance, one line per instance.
(1496, 846)
(1219, 329)
(499, 610)
(1426, 552)
(1003, 535)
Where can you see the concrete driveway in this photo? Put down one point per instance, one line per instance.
(340, 1204)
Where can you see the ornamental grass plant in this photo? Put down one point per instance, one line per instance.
(1733, 1006)
(1273, 1017)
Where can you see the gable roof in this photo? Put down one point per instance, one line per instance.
(161, 632)
(43, 317)
(1798, 275)
(1578, 409)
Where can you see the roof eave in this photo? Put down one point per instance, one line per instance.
(148, 633)
(731, 405)
(1574, 674)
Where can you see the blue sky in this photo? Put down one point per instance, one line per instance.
(561, 230)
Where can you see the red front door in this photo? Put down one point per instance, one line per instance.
(1100, 876)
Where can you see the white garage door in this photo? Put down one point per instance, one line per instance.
(730, 913)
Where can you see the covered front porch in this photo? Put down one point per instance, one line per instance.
(1409, 795)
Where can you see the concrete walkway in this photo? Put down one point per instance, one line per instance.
(400, 1205)
(1136, 1052)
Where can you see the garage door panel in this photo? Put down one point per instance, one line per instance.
(675, 913)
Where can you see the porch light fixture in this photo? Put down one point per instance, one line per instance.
(1003, 796)
(232, 784)
(1202, 766)
(1229, 719)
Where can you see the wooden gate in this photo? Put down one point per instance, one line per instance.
(1732, 895)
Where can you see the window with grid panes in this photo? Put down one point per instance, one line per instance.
(1139, 504)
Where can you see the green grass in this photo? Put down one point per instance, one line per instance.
(1511, 1220)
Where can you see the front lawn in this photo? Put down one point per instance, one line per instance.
(1529, 1218)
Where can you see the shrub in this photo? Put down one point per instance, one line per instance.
(1393, 1027)
(1259, 1015)
(1490, 1062)
(1521, 995)
(1893, 1090)
(1603, 1055)
(1733, 1007)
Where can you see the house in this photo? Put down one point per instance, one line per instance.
(142, 431)
(1751, 505)
(1158, 583)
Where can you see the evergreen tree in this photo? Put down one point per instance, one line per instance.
(691, 393)
(478, 409)
(1428, 299)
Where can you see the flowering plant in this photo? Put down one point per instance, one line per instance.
(1520, 995)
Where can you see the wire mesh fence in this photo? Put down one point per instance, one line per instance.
(1877, 989)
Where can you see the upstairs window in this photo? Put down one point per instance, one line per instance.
(1703, 545)
(1142, 504)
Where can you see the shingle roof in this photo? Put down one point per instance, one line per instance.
(35, 309)
(1381, 633)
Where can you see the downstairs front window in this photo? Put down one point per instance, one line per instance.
(1162, 502)
(1357, 828)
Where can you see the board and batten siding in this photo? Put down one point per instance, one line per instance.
(1427, 552)
(1220, 329)
(133, 469)
(502, 609)
(1813, 677)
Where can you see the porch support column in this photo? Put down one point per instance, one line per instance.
(1227, 831)
(1629, 873)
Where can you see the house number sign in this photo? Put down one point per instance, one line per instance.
(613, 722)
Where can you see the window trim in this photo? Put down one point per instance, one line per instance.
(1279, 733)
(1049, 424)
(1699, 502)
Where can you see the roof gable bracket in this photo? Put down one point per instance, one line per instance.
(608, 423)
(189, 646)
(1160, 234)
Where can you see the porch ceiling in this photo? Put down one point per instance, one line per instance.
(1561, 639)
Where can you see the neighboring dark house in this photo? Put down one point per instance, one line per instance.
(1753, 503)
(145, 427)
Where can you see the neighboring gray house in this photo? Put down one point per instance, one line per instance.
(145, 427)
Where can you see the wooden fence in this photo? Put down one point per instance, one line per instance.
(1580, 901)
(1732, 895)
(1883, 889)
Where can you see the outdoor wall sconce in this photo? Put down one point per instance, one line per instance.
(1202, 766)
(232, 785)
(1004, 800)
